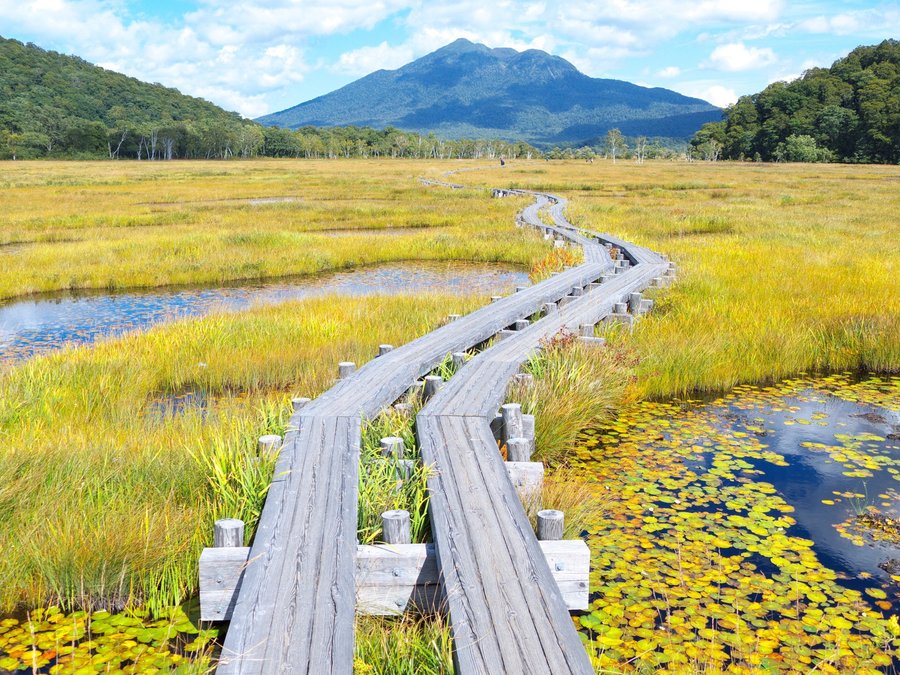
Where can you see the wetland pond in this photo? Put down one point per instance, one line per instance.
(758, 530)
(34, 325)
(753, 533)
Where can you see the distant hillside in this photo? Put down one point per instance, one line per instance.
(469, 90)
(51, 103)
(849, 112)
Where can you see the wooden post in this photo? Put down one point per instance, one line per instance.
(518, 450)
(519, 289)
(396, 528)
(523, 379)
(528, 432)
(503, 334)
(269, 444)
(432, 384)
(550, 525)
(453, 317)
(513, 426)
(495, 298)
(577, 291)
(393, 446)
(586, 329)
(634, 303)
(228, 533)
(522, 324)
(548, 308)
(459, 360)
(384, 349)
(345, 369)
(405, 409)
(606, 278)
(299, 402)
(620, 308)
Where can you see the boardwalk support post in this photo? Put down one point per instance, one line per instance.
(550, 524)
(346, 369)
(513, 425)
(395, 527)
(268, 445)
(384, 349)
(393, 446)
(228, 533)
(432, 384)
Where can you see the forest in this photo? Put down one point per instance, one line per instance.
(849, 112)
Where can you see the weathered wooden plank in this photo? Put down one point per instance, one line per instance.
(302, 558)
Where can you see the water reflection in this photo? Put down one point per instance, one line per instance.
(37, 325)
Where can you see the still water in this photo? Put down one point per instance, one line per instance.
(39, 324)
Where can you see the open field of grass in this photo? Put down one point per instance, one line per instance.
(782, 268)
(68, 225)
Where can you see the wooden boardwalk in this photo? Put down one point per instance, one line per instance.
(296, 604)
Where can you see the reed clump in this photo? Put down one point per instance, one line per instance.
(574, 387)
(408, 645)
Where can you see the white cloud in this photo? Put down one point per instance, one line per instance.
(365, 60)
(737, 56)
(716, 94)
(670, 71)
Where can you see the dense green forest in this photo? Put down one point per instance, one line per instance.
(849, 113)
(57, 106)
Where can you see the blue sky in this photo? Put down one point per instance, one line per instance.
(260, 56)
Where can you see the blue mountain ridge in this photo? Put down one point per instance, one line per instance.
(466, 90)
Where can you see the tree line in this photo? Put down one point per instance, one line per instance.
(849, 112)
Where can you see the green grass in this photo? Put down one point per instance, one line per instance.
(403, 646)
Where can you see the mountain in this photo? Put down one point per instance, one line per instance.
(469, 90)
(52, 102)
(848, 112)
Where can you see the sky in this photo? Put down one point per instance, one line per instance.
(261, 56)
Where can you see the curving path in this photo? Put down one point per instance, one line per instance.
(296, 605)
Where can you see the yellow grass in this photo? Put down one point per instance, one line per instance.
(68, 225)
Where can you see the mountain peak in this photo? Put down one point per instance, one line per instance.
(466, 89)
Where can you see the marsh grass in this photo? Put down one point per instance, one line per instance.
(409, 645)
(108, 225)
(105, 503)
(575, 386)
(783, 269)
